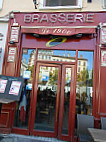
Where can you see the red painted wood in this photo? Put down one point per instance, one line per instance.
(87, 43)
(103, 91)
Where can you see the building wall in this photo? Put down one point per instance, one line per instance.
(3, 36)
(28, 6)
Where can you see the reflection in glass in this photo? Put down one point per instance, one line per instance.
(66, 101)
(56, 55)
(46, 98)
(23, 105)
(84, 90)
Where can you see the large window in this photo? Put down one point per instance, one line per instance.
(84, 89)
(23, 105)
(60, 3)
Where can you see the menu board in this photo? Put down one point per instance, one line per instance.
(10, 88)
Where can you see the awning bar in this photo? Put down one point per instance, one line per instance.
(71, 27)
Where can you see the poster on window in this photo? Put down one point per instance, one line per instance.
(103, 35)
(45, 75)
(3, 84)
(27, 74)
(15, 87)
(103, 58)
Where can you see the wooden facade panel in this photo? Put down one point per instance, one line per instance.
(4, 119)
(103, 91)
(10, 69)
(86, 42)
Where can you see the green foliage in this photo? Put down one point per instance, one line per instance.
(83, 78)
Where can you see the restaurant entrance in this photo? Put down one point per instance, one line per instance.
(46, 108)
(52, 106)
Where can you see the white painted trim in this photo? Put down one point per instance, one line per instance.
(42, 6)
(72, 27)
(1, 4)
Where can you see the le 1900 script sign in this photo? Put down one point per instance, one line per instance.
(103, 35)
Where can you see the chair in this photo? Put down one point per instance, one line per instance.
(103, 123)
(84, 122)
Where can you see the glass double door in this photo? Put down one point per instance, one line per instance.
(52, 102)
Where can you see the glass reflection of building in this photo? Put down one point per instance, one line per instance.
(50, 55)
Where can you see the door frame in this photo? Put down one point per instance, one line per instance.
(38, 132)
(60, 91)
(71, 105)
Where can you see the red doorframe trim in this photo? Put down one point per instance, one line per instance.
(34, 132)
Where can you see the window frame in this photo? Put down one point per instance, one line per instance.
(42, 5)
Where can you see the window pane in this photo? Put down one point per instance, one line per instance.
(66, 101)
(56, 55)
(105, 3)
(46, 98)
(84, 90)
(23, 105)
(68, 2)
(52, 3)
(60, 2)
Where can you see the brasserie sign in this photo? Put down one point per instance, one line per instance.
(60, 17)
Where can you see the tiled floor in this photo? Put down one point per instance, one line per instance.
(23, 138)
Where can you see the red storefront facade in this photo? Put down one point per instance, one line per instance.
(53, 46)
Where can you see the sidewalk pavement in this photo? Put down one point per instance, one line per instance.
(23, 138)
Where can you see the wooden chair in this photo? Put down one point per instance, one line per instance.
(103, 123)
(83, 123)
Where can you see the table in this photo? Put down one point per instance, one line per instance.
(98, 135)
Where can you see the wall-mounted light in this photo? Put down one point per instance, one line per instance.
(11, 42)
(12, 15)
(79, 35)
(36, 35)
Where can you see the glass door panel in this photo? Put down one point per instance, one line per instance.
(47, 98)
(66, 101)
